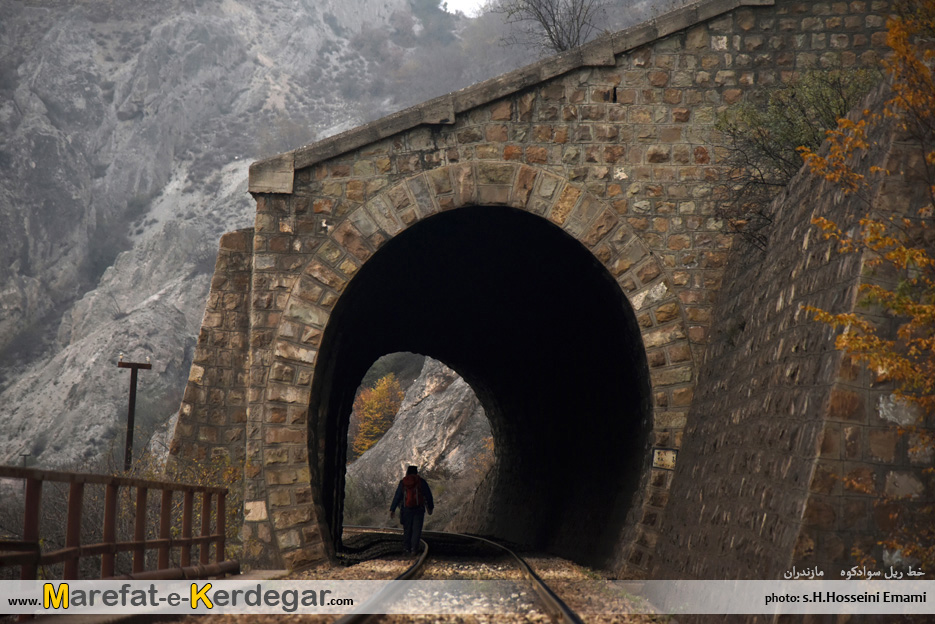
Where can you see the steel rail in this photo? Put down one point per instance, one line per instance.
(408, 574)
(558, 610)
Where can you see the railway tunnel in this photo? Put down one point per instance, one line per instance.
(548, 342)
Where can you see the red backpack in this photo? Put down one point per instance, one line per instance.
(413, 492)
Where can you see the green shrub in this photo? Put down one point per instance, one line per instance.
(764, 131)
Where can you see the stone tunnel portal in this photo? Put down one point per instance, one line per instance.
(550, 345)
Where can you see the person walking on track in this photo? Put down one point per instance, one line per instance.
(414, 498)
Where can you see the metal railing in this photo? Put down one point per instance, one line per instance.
(27, 552)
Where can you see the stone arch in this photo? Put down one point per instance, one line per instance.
(300, 522)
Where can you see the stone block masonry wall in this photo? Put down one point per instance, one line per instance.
(741, 486)
(281, 517)
(214, 408)
(862, 455)
(781, 420)
(615, 143)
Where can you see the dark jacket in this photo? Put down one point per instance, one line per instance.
(401, 492)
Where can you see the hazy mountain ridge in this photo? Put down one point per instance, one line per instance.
(125, 132)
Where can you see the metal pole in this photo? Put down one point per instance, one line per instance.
(131, 416)
(131, 409)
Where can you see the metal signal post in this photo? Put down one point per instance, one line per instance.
(131, 410)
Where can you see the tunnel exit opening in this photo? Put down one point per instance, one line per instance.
(549, 344)
(414, 410)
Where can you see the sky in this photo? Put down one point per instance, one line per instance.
(468, 7)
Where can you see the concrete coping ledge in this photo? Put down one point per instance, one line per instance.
(276, 174)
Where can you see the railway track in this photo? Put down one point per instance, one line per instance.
(377, 555)
(560, 612)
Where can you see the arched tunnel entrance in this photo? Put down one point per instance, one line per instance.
(547, 340)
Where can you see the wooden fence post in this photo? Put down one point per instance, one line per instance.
(108, 559)
(222, 528)
(28, 572)
(165, 521)
(73, 528)
(205, 527)
(188, 502)
(139, 532)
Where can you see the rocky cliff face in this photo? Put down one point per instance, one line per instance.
(125, 132)
(440, 427)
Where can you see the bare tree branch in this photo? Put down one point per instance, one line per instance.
(553, 25)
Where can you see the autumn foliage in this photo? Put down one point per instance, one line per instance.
(898, 246)
(376, 408)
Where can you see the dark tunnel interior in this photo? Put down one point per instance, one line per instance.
(550, 345)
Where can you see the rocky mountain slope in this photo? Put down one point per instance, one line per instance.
(440, 427)
(125, 132)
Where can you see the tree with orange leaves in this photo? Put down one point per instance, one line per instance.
(376, 408)
(900, 244)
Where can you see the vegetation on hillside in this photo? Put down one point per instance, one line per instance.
(763, 134)
(429, 52)
(404, 367)
(553, 25)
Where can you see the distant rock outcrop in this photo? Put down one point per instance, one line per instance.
(440, 427)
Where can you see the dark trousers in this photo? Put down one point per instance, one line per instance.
(412, 520)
